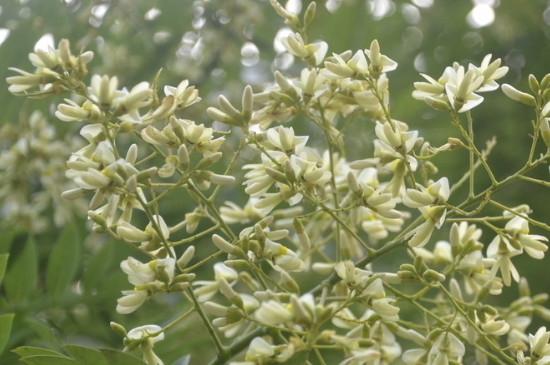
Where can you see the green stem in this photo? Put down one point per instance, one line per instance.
(220, 349)
(472, 167)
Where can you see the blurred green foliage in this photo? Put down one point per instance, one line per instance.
(61, 289)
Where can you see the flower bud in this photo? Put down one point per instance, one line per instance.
(221, 179)
(186, 257)
(437, 104)
(229, 293)
(227, 107)
(289, 283)
(545, 131)
(74, 193)
(215, 309)
(222, 244)
(247, 101)
(132, 234)
(276, 175)
(301, 313)
(118, 328)
(208, 160)
(310, 13)
(517, 95)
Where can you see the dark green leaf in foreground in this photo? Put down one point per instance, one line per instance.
(5, 329)
(63, 262)
(21, 276)
(86, 356)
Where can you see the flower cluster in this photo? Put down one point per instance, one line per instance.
(308, 210)
(32, 165)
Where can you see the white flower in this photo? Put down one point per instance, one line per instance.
(362, 356)
(533, 244)
(259, 350)
(502, 251)
(184, 95)
(539, 347)
(490, 71)
(145, 332)
(341, 65)
(313, 53)
(137, 97)
(139, 274)
(379, 63)
(384, 308)
(132, 300)
(436, 193)
(460, 91)
(103, 90)
(446, 347)
(273, 313)
(146, 336)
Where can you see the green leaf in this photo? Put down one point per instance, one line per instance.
(48, 360)
(5, 329)
(64, 262)
(27, 351)
(3, 264)
(42, 330)
(97, 266)
(120, 358)
(85, 355)
(6, 239)
(22, 274)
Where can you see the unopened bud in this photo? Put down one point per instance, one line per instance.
(118, 328)
(517, 95)
(183, 156)
(289, 283)
(456, 143)
(534, 84)
(353, 184)
(221, 179)
(545, 131)
(238, 264)
(229, 293)
(132, 153)
(542, 312)
(455, 289)
(289, 172)
(259, 233)
(302, 235)
(179, 287)
(145, 175)
(545, 83)
(130, 233)
(282, 81)
(131, 184)
(219, 116)
(222, 244)
(208, 160)
(186, 257)
(523, 287)
(74, 193)
(215, 309)
(97, 218)
(540, 298)
(310, 13)
(323, 268)
(182, 278)
(227, 107)
(437, 104)
(247, 101)
(433, 276)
